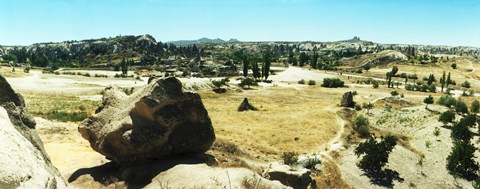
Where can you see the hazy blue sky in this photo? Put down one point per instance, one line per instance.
(449, 22)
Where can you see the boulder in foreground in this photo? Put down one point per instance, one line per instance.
(23, 161)
(157, 121)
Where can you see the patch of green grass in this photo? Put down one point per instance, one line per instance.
(59, 107)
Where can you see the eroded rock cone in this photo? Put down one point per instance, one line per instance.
(347, 100)
(156, 121)
(23, 161)
(245, 105)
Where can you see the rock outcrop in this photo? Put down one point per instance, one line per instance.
(297, 179)
(245, 105)
(156, 121)
(347, 100)
(23, 161)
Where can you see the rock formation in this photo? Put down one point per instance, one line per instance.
(156, 121)
(23, 161)
(245, 105)
(347, 100)
(297, 179)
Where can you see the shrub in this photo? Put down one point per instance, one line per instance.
(302, 81)
(360, 120)
(428, 100)
(375, 84)
(332, 83)
(312, 162)
(311, 82)
(364, 131)
(394, 93)
(290, 158)
(461, 107)
(247, 81)
(220, 83)
(454, 66)
(475, 106)
(447, 101)
(466, 84)
(447, 117)
(358, 107)
(436, 132)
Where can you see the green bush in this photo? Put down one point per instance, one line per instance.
(67, 116)
(475, 106)
(461, 107)
(375, 84)
(290, 158)
(358, 107)
(466, 84)
(311, 82)
(360, 120)
(363, 131)
(247, 81)
(302, 81)
(394, 93)
(447, 117)
(332, 83)
(447, 101)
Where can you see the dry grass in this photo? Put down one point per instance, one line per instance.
(7, 72)
(330, 177)
(287, 120)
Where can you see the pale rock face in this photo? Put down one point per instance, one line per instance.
(23, 161)
(22, 165)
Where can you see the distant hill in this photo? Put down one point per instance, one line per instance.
(201, 41)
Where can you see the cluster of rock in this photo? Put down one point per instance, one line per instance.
(23, 161)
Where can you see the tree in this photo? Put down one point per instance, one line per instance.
(394, 71)
(124, 67)
(428, 100)
(245, 66)
(314, 64)
(461, 106)
(375, 153)
(367, 106)
(267, 59)
(447, 117)
(389, 79)
(431, 79)
(460, 131)
(303, 59)
(443, 80)
(366, 67)
(461, 160)
(256, 71)
(291, 58)
(475, 108)
(449, 80)
(361, 121)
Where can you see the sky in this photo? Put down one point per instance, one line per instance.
(432, 22)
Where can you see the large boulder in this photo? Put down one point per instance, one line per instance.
(156, 121)
(347, 100)
(23, 161)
